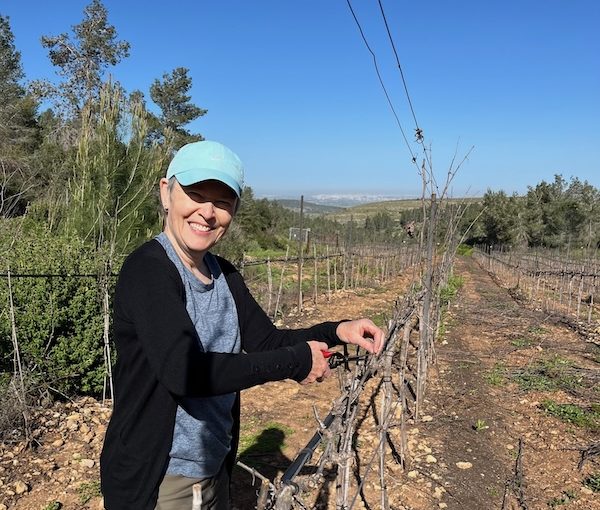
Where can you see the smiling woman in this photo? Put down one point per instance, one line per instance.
(189, 337)
(197, 217)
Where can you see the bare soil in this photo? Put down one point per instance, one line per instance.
(475, 412)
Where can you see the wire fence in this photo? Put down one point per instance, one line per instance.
(553, 283)
(326, 270)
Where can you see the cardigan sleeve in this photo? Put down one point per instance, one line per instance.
(150, 313)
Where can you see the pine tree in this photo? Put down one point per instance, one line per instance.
(173, 98)
(82, 59)
(18, 127)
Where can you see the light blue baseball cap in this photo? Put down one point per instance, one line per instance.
(207, 160)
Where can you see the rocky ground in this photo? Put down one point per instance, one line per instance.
(487, 408)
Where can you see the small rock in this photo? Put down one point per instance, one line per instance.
(464, 465)
(3, 506)
(413, 474)
(58, 443)
(442, 505)
(587, 490)
(394, 468)
(21, 487)
(430, 459)
(438, 492)
(427, 418)
(88, 463)
(88, 438)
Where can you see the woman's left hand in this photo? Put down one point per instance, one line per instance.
(361, 332)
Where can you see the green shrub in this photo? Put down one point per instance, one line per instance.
(58, 312)
(464, 250)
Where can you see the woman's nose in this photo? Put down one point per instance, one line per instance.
(207, 209)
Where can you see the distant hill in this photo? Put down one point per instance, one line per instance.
(360, 212)
(309, 207)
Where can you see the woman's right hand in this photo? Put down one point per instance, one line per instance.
(320, 367)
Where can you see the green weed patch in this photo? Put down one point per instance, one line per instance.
(497, 375)
(564, 499)
(574, 414)
(88, 490)
(464, 250)
(593, 482)
(550, 374)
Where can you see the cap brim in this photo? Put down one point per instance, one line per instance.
(195, 175)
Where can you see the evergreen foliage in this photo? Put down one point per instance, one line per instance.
(553, 214)
(83, 58)
(172, 97)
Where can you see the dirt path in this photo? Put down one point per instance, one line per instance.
(480, 410)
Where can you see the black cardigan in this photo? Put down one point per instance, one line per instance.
(159, 360)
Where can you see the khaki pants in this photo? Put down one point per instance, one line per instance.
(176, 493)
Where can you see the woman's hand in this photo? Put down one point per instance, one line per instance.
(361, 332)
(320, 367)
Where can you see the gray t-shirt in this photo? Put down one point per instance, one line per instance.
(202, 433)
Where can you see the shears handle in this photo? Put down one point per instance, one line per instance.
(335, 358)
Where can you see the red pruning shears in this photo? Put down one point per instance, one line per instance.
(337, 359)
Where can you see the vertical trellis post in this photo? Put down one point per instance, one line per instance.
(425, 321)
(328, 273)
(18, 368)
(384, 419)
(269, 286)
(579, 294)
(335, 278)
(316, 278)
(108, 376)
(591, 303)
(300, 249)
(277, 301)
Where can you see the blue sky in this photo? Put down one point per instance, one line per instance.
(291, 87)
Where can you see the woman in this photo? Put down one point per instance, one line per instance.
(189, 337)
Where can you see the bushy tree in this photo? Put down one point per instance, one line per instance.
(82, 59)
(18, 128)
(499, 217)
(171, 94)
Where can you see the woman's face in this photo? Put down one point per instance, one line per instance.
(198, 215)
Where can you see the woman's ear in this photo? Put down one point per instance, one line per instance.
(165, 194)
